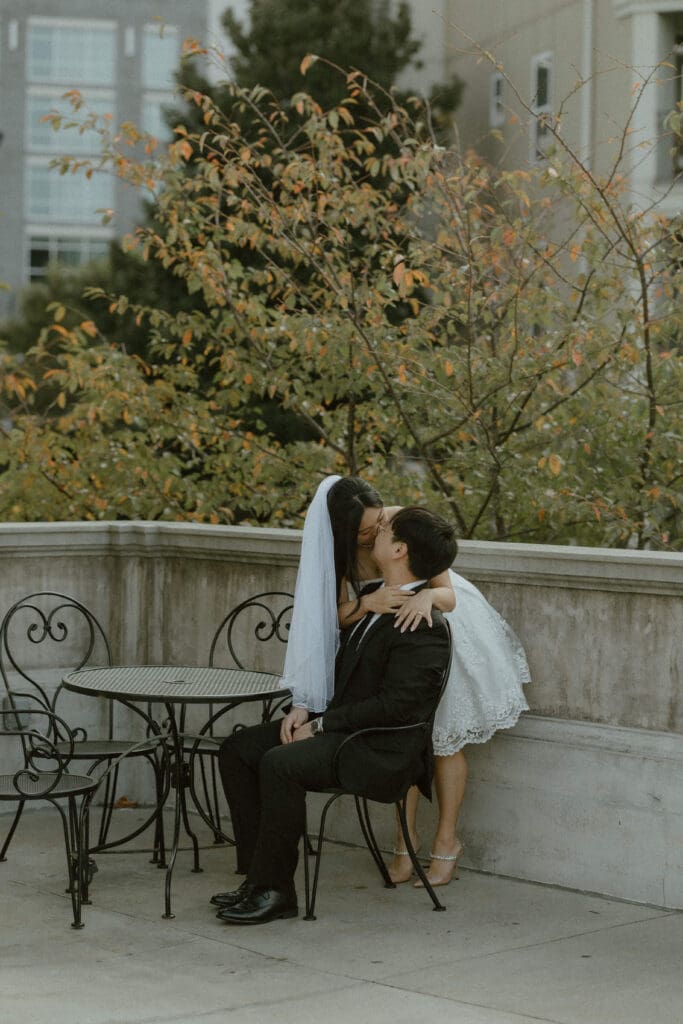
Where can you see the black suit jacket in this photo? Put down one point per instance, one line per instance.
(387, 678)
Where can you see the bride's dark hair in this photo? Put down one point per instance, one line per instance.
(346, 503)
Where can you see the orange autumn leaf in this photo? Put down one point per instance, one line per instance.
(555, 464)
(309, 59)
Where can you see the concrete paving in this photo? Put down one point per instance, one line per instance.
(505, 952)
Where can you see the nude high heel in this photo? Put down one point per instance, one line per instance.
(405, 872)
(451, 859)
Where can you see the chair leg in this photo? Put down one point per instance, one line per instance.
(12, 830)
(308, 852)
(208, 811)
(370, 840)
(82, 842)
(74, 858)
(210, 794)
(401, 808)
(186, 819)
(217, 836)
(108, 800)
(312, 892)
(161, 789)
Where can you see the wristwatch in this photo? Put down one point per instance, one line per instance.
(317, 727)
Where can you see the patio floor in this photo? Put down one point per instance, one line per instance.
(505, 952)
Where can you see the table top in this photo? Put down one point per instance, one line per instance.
(175, 684)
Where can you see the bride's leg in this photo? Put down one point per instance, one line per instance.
(401, 869)
(450, 779)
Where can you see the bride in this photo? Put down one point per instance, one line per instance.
(489, 668)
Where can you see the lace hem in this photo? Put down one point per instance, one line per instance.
(446, 742)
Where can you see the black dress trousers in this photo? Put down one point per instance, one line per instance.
(265, 783)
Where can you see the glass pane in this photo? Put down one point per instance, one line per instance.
(72, 55)
(70, 252)
(153, 120)
(39, 53)
(542, 85)
(70, 198)
(39, 257)
(160, 56)
(42, 136)
(97, 248)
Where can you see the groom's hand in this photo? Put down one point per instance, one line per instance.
(292, 721)
(303, 732)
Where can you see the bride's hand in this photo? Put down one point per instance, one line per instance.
(385, 600)
(415, 608)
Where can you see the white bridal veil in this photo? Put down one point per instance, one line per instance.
(314, 630)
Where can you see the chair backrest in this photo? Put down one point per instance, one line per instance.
(444, 678)
(254, 634)
(42, 637)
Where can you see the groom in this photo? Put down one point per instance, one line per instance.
(383, 677)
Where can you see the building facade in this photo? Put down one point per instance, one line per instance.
(121, 56)
(596, 61)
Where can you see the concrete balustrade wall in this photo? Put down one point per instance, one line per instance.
(586, 791)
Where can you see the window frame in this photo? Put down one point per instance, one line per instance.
(496, 105)
(537, 132)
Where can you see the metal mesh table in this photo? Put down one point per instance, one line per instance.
(174, 685)
(171, 686)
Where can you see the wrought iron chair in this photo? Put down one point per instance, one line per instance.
(43, 636)
(262, 619)
(43, 775)
(399, 798)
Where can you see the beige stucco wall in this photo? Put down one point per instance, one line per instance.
(514, 33)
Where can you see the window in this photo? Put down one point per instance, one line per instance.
(678, 101)
(66, 198)
(160, 56)
(41, 137)
(496, 109)
(541, 104)
(71, 52)
(43, 250)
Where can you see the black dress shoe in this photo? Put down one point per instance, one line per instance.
(230, 899)
(261, 906)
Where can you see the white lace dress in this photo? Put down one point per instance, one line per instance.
(484, 691)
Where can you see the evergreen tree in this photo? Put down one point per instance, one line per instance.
(362, 34)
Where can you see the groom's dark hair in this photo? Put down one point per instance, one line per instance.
(430, 539)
